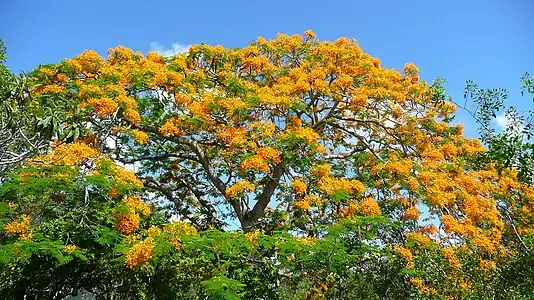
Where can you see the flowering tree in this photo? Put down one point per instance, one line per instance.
(357, 161)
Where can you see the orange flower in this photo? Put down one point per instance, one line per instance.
(103, 106)
(370, 207)
(412, 213)
(299, 186)
(404, 252)
(238, 188)
(129, 223)
(140, 253)
(19, 226)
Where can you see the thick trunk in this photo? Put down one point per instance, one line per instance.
(250, 219)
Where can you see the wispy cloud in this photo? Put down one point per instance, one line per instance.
(501, 121)
(175, 48)
(509, 123)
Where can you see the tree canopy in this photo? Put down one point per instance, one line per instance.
(291, 168)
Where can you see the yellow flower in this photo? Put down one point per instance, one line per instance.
(139, 136)
(69, 154)
(410, 68)
(269, 154)
(299, 186)
(418, 237)
(321, 171)
(238, 188)
(307, 241)
(370, 207)
(132, 115)
(129, 223)
(21, 225)
(303, 204)
(253, 237)
(140, 253)
(255, 163)
(412, 213)
(103, 106)
(309, 34)
(330, 185)
(487, 265)
(135, 202)
(26, 236)
(413, 184)
(180, 227)
(404, 252)
(171, 127)
(154, 230)
(451, 257)
(69, 248)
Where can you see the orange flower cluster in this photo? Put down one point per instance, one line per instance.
(418, 238)
(321, 171)
(255, 163)
(134, 202)
(180, 227)
(140, 253)
(172, 127)
(412, 213)
(404, 252)
(238, 188)
(260, 162)
(263, 129)
(122, 176)
(69, 248)
(330, 185)
(370, 207)
(451, 257)
(69, 154)
(302, 204)
(269, 154)
(424, 289)
(19, 226)
(129, 222)
(235, 137)
(173, 231)
(308, 201)
(299, 186)
(139, 136)
(154, 231)
(350, 210)
(103, 107)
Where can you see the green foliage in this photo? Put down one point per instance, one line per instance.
(513, 147)
(222, 288)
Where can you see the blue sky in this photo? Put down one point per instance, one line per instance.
(490, 42)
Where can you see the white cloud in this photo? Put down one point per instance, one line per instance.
(176, 48)
(508, 123)
(501, 121)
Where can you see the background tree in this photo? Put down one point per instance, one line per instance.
(27, 124)
(513, 147)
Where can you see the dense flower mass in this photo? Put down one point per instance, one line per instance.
(135, 203)
(19, 226)
(299, 186)
(69, 154)
(140, 253)
(129, 222)
(238, 188)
